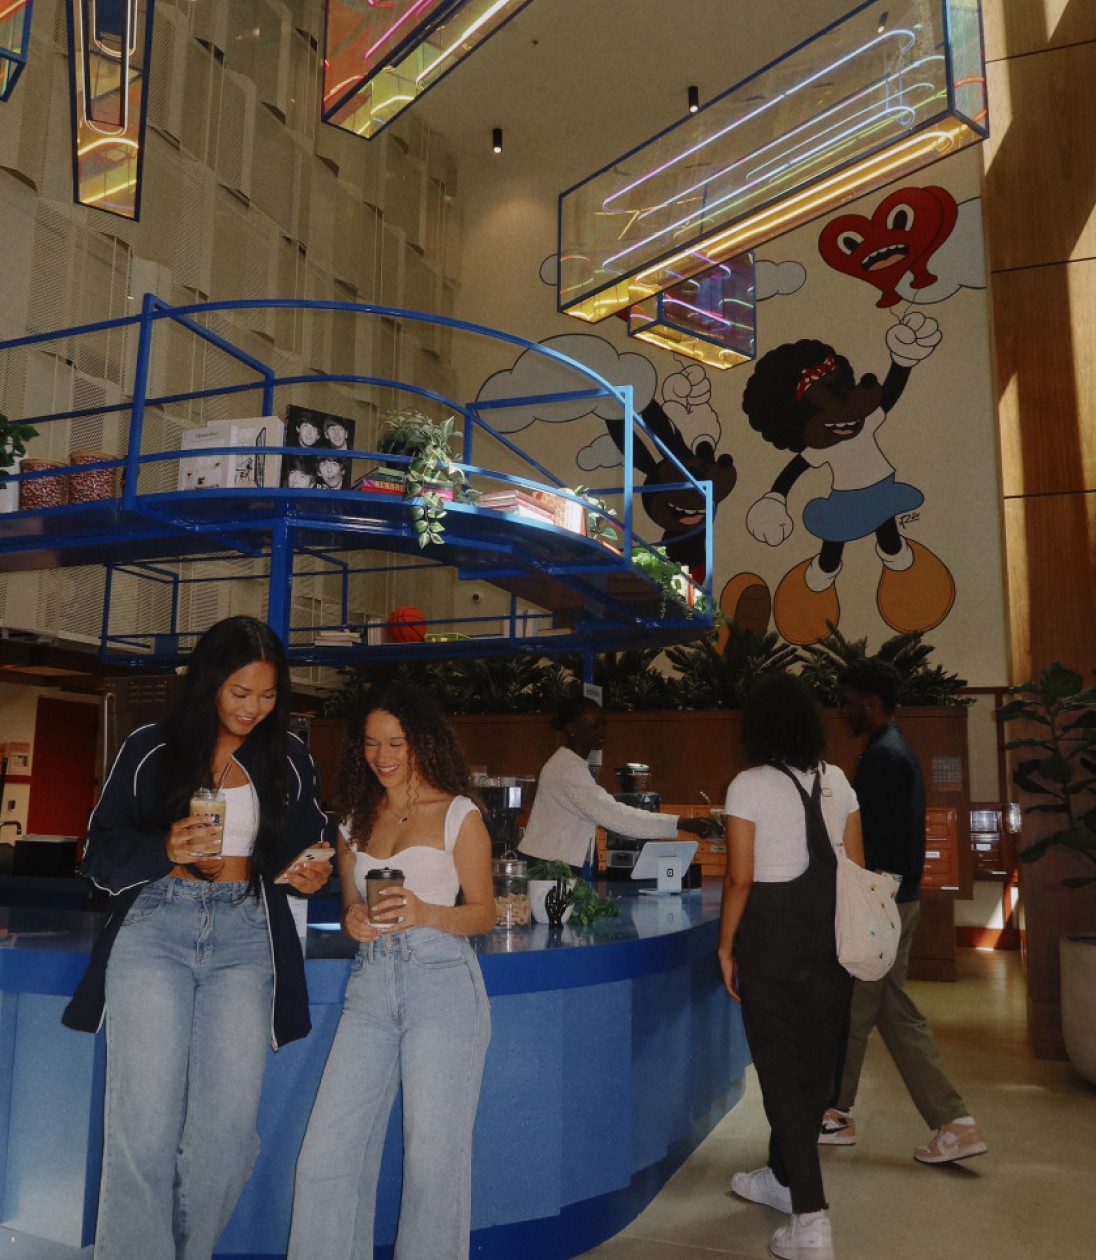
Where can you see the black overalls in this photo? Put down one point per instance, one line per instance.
(795, 998)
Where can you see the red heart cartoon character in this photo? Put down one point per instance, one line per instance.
(900, 238)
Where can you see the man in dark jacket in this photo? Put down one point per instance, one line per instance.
(891, 791)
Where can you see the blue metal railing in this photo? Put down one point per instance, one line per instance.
(173, 512)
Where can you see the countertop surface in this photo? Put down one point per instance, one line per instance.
(44, 950)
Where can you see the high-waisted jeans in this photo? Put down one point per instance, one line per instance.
(415, 1015)
(189, 993)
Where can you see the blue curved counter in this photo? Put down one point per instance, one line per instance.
(614, 1052)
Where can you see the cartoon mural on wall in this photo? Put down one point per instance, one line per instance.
(805, 398)
(683, 419)
(917, 245)
(814, 395)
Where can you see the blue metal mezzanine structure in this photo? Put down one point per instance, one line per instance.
(568, 591)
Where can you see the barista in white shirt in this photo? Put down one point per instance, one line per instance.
(569, 806)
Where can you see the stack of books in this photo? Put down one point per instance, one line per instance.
(520, 503)
(382, 480)
(566, 513)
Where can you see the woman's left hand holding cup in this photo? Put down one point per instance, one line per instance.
(396, 909)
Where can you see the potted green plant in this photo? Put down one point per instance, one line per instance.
(430, 475)
(587, 906)
(14, 437)
(1060, 712)
(710, 678)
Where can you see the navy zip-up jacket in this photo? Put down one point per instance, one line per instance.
(891, 791)
(126, 850)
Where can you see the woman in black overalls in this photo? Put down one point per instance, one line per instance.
(777, 948)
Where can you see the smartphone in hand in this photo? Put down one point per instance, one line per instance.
(314, 853)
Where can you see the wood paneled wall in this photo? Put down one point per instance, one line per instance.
(1040, 217)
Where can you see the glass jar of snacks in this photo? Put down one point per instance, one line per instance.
(511, 891)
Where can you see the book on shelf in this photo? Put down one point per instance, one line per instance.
(518, 503)
(539, 505)
(337, 638)
(382, 480)
(232, 469)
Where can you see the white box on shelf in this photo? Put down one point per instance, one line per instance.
(231, 470)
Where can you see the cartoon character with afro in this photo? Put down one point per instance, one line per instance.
(804, 397)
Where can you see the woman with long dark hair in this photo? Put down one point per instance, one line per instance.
(199, 968)
(416, 1012)
(777, 947)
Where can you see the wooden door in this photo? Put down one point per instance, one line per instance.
(62, 782)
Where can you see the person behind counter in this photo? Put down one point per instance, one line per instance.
(569, 805)
(185, 967)
(416, 1011)
(777, 948)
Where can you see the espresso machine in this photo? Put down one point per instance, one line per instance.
(621, 852)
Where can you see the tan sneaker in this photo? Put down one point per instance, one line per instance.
(957, 1140)
(838, 1128)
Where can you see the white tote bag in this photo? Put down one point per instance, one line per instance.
(866, 922)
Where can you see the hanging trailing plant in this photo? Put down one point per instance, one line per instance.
(655, 565)
(430, 468)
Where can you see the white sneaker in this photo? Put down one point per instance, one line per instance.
(761, 1186)
(805, 1237)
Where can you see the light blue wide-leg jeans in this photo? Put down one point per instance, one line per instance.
(415, 1015)
(189, 993)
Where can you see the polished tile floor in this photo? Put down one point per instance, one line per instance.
(1032, 1197)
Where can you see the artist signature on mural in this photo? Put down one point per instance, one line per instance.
(908, 518)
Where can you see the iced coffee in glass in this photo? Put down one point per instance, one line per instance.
(208, 805)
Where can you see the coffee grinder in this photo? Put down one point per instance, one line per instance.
(504, 798)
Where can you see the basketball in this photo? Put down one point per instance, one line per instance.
(406, 624)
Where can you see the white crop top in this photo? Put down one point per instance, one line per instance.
(431, 874)
(241, 821)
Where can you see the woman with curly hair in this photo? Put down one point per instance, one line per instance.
(415, 1013)
(777, 947)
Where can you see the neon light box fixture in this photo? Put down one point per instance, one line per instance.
(110, 49)
(877, 95)
(378, 59)
(14, 39)
(710, 317)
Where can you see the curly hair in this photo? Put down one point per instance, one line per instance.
(434, 752)
(782, 721)
(769, 397)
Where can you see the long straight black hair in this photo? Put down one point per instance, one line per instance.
(193, 727)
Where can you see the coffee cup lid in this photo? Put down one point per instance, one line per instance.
(384, 872)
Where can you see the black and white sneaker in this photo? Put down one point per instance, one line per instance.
(838, 1128)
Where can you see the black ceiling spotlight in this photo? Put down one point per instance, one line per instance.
(694, 98)
(496, 139)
